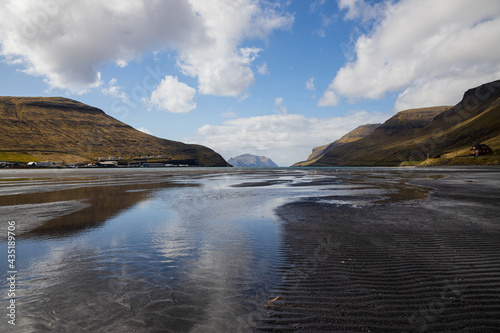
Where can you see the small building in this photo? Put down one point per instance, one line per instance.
(45, 164)
(480, 149)
(107, 164)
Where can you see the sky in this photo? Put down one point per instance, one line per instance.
(271, 78)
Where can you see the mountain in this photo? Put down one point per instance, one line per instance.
(254, 161)
(54, 128)
(354, 135)
(417, 134)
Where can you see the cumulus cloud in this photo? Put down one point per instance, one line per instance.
(417, 47)
(173, 96)
(144, 130)
(285, 138)
(68, 42)
(360, 9)
(329, 98)
(115, 91)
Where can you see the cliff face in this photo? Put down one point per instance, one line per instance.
(253, 161)
(414, 135)
(64, 127)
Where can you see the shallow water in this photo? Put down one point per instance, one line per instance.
(135, 250)
(186, 250)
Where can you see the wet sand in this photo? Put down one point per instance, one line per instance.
(200, 250)
(396, 264)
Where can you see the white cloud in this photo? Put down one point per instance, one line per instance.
(329, 98)
(316, 5)
(359, 9)
(144, 130)
(229, 114)
(114, 91)
(68, 42)
(173, 96)
(420, 46)
(279, 103)
(310, 84)
(285, 138)
(262, 69)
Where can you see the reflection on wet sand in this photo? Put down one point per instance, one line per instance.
(177, 255)
(205, 250)
(102, 203)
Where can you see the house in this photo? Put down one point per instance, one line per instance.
(480, 149)
(107, 164)
(45, 164)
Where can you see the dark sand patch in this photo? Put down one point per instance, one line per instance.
(398, 266)
(31, 216)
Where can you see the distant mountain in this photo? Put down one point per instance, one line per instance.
(354, 135)
(254, 161)
(414, 135)
(54, 128)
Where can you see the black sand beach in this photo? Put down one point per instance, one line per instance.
(201, 250)
(424, 265)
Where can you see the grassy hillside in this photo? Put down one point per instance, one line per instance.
(56, 128)
(415, 135)
(354, 135)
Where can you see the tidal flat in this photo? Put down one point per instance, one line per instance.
(252, 250)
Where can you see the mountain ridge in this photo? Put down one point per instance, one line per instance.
(252, 161)
(354, 135)
(418, 134)
(57, 127)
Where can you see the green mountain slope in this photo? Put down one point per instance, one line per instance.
(354, 135)
(415, 135)
(60, 128)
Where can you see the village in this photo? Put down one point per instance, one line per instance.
(157, 161)
(152, 161)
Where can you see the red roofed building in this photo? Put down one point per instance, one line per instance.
(480, 149)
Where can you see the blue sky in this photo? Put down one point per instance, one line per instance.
(273, 78)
